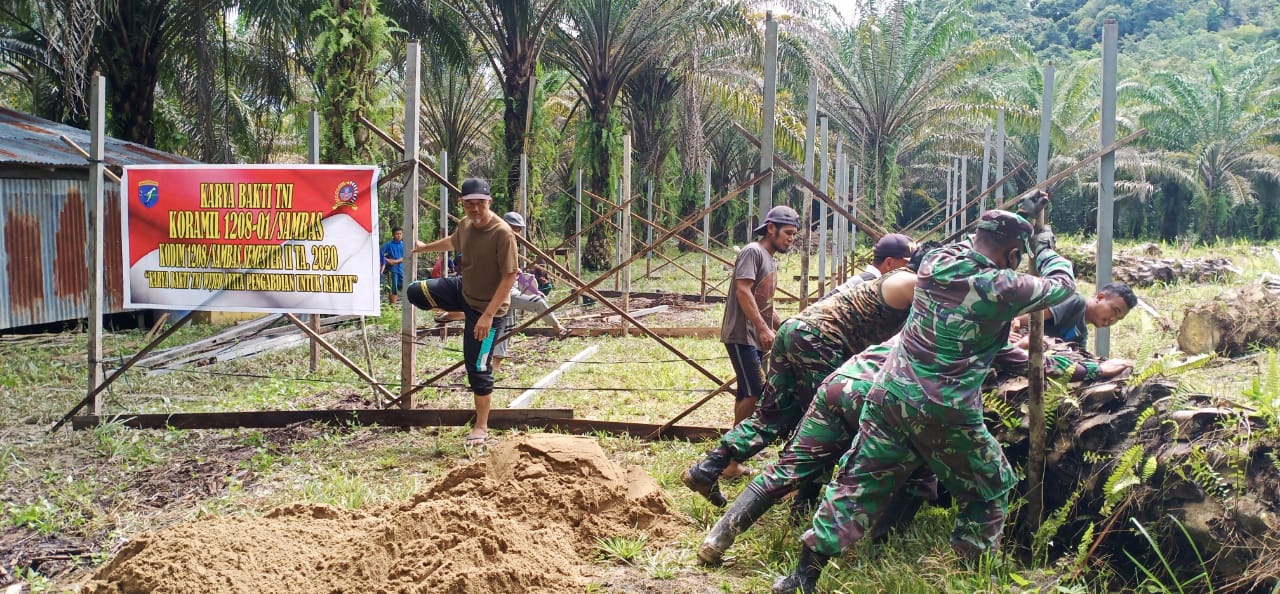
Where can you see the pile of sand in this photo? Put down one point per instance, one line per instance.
(524, 519)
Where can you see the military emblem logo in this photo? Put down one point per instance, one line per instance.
(148, 193)
(346, 195)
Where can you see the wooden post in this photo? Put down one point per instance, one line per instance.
(408, 321)
(1000, 145)
(577, 228)
(626, 228)
(948, 203)
(770, 104)
(617, 238)
(810, 138)
(964, 193)
(97, 245)
(837, 256)
(986, 169)
(444, 213)
(706, 228)
(853, 208)
(824, 171)
(1106, 174)
(1037, 430)
(648, 238)
(313, 157)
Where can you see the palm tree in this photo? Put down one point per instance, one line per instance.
(897, 76)
(603, 44)
(512, 34)
(1210, 133)
(459, 103)
(45, 47)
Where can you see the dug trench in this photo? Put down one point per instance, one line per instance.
(525, 518)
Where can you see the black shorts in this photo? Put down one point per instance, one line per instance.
(446, 294)
(747, 366)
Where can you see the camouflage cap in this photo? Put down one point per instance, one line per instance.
(1006, 224)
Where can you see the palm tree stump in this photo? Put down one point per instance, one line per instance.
(1232, 322)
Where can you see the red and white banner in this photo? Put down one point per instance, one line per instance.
(265, 238)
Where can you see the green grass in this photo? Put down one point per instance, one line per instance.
(92, 484)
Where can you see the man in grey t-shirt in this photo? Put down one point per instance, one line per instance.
(749, 318)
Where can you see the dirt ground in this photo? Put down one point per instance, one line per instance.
(525, 518)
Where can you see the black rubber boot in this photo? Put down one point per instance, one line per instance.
(805, 502)
(704, 477)
(805, 578)
(744, 512)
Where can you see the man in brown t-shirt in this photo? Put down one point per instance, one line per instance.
(481, 293)
(749, 319)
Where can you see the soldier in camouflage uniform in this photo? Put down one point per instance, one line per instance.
(926, 405)
(826, 433)
(806, 349)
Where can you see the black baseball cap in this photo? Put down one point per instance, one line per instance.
(894, 245)
(475, 189)
(781, 215)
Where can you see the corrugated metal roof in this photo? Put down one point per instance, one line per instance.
(29, 140)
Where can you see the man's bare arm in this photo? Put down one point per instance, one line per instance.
(486, 319)
(444, 244)
(747, 301)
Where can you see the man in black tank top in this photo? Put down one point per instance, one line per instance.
(806, 349)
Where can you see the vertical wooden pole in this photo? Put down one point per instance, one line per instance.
(444, 211)
(408, 321)
(1106, 173)
(810, 138)
(950, 225)
(617, 237)
(853, 210)
(964, 193)
(648, 237)
(837, 257)
(97, 244)
(706, 230)
(824, 171)
(1037, 430)
(770, 105)
(313, 157)
(1000, 144)
(751, 216)
(986, 170)
(524, 197)
(626, 228)
(577, 227)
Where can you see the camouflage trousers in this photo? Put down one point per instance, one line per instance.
(800, 359)
(895, 438)
(824, 438)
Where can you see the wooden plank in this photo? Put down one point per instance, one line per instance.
(692, 332)
(553, 419)
(262, 419)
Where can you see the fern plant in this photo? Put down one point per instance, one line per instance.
(1051, 525)
(1124, 476)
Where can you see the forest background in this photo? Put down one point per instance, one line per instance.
(908, 87)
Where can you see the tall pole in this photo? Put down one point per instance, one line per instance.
(853, 209)
(751, 205)
(706, 228)
(986, 169)
(648, 237)
(524, 195)
(810, 137)
(408, 322)
(97, 247)
(837, 275)
(626, 228)
(947, 211)
(1000, 142)
(824, 171)
(577, 227)
(617, 238)
(964, 193)
(770, 104)
(313, 157)
(1106, 173)
(444, 211)
(1038, 432)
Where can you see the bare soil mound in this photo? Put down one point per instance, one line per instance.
(524, 519)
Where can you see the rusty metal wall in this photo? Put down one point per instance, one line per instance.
(45, 255)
